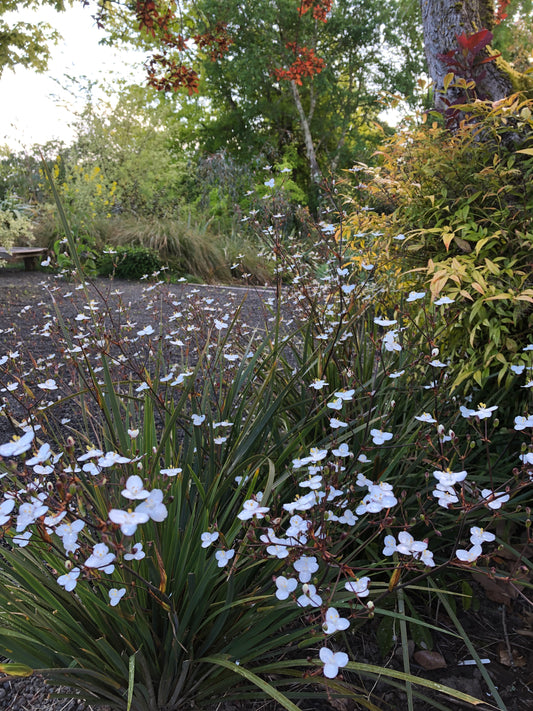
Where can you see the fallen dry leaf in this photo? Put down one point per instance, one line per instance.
(505, 658)
(429, 660)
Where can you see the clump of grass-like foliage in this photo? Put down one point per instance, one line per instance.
(234, 502)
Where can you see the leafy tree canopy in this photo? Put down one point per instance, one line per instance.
(23, 43)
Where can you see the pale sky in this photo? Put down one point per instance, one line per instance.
(33, 107)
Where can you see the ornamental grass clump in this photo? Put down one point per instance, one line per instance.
(234, 503)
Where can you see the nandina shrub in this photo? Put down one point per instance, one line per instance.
(454, 210)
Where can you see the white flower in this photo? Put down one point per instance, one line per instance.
(115, 596)
(252, 508)
(317, 455)
(342, 451)
(348, 518)
(436, 363)
(208, 538)
(334, 622)
(390, 343)
(518, 369)
(137, 553)
(469, 556)
(479, 535)
(396, 374)
(448, 479)
(335, 424)
(359, 586)
(101, 558)
(346, 395)
(336, 404)
(48, 385)
(285, 586)
(224, 557)
(22, 539)
(69, 580)
(379, 437)
(390, 545)
(171, 472)
(135, 488)
(425, 417)
(445, 497)
(332, 661)
(42, 455)
(305, 567)
(520, 423)
(128, 520)
(483, 412)
(153, 506)
(111, 458)
(197, 419)
(5, 509)
(18, 446)
(146, 331)
(309, 597)
(384, 321)
(405, 543)
(314, 482)
(415, 295)
(494, 499)
(318, 384)
(444, 300)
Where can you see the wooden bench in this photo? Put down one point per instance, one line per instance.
(28, 254)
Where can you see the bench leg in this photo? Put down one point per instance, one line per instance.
(30, 264)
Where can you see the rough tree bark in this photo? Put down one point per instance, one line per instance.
(443, 21)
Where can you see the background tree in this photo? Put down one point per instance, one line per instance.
(24, 43)
(446, 20)
(291, 79)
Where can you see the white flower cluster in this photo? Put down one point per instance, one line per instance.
(66, 524)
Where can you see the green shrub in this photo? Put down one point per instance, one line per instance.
(455, 212)
(128, 262)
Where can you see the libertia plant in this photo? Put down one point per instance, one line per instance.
(211, 508)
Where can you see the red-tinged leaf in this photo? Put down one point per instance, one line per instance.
(490, 59)
(476, 42)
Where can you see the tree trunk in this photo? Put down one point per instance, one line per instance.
(443, 21)
(316, 175)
